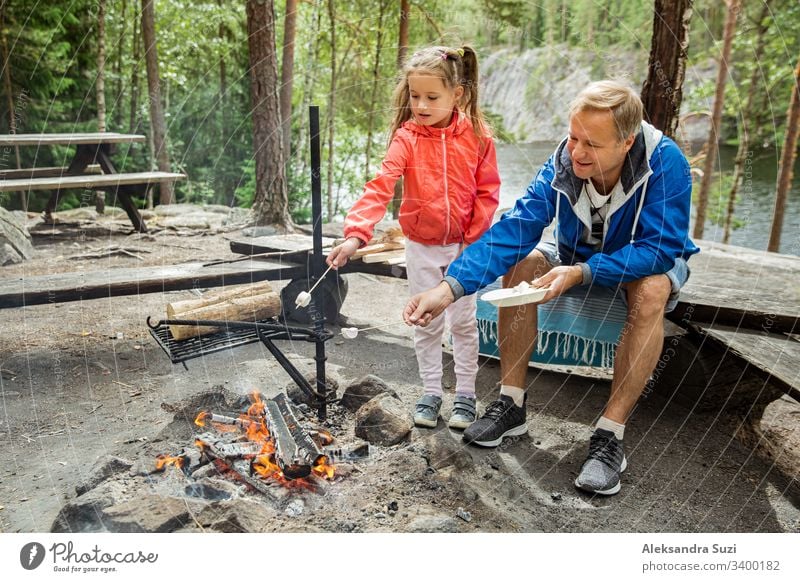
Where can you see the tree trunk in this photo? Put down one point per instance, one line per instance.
(8, 86)
(742, 151)
(287, 75)
(271, 205)
(309, 80)
(100, 85)
(118, 68)
(402, 37)
(154, 97)
(376, 74)
(663, 89)
(786, 166)
(402, 50)
(331, 105)
(716, 117)
(133, 124)
(224, 112)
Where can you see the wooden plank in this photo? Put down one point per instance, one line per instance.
(45, 289)
(741, 287)
(296, 246)
(385, 256)
(774, 355)
(102, 181)
(44, 139)
(378, 248)
(45, 172)
(382, 269)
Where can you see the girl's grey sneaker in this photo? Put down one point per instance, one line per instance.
(464, 413)
(427, 409)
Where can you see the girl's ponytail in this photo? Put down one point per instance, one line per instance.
(469, 80)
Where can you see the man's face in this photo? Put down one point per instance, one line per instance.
(594, 147)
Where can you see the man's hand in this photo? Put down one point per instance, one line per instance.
(424, 307)
(559, 279)
(341, 253)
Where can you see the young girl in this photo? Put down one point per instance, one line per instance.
(441, 145)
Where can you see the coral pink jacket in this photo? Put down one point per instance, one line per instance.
(451, 186)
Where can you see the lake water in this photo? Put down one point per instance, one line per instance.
(519, 163)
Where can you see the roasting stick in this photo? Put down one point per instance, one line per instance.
(304, 297)
(352, 332)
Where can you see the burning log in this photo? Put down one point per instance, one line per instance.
(295, 451)
(277, 447)
(204, 417)
(214, 447)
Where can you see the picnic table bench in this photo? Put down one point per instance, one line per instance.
(90, 168)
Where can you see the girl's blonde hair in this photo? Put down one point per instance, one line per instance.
(456, 67)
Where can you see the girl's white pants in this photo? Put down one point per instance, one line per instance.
(426, 266)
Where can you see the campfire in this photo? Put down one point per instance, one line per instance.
(262, 447)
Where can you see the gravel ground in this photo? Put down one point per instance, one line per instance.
(84, 380)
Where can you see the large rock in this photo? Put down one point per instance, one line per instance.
(107, 466)
(384, 420)
(362, 391)
(780, 436)
(148, 514)
(441, 450)
(15, 241)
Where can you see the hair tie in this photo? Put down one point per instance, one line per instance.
(460, 52)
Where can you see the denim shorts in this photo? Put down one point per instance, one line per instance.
(677, 275)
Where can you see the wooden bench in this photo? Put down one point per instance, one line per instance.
(125, 186)
(45, 172)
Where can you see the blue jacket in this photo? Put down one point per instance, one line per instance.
(646, 226)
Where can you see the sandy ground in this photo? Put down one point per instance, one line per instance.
(82, 380)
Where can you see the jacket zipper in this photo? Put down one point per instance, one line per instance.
(446, 195)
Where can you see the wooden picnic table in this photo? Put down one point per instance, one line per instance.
(91, 150)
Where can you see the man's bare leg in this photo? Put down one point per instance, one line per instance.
(516, 337)
(636, 357)
(516, 326)
(640, 344)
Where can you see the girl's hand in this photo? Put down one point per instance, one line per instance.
(424, 307)
(341, 253)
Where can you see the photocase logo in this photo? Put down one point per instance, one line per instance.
(31, 555)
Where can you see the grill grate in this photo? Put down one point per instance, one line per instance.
(231, 335)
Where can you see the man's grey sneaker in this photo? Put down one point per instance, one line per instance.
(502, 418)
(464, 412)
(600, 473)
(426, 412)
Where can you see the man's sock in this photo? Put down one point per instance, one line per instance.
(516, 394)
(609, 425)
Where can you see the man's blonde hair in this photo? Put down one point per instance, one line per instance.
(624, 104)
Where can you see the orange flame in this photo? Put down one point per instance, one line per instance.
(201, 418)
(257, 407)
(162, 461)
(323, 469)
(257, 431)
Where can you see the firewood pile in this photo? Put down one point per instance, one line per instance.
(263, 447)
(254, 302)
(387, 249)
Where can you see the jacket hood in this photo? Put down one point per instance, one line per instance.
(634, 170)
(458, 125)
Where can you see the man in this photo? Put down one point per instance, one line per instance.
(620, 194)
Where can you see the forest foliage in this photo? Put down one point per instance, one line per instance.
(51, 58)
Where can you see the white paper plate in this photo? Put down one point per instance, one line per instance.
(514, 296)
